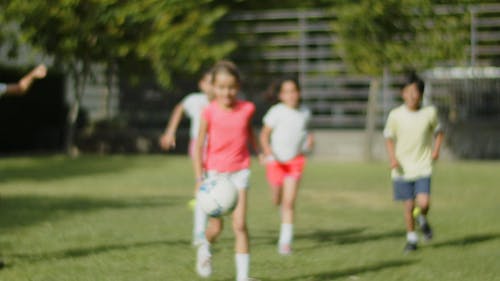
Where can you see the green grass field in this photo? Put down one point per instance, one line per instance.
(125, 218)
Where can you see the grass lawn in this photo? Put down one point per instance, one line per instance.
(124, 218)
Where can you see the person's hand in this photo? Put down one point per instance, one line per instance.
(394, 163)
(266, 159)
(167, 141)
(39, 72)
(435, 155)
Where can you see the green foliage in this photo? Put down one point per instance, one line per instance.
(399, 34)
(173, 35)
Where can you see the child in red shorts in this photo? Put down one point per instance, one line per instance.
(284, 138)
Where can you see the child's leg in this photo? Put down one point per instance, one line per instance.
(215, 226)
(275, 176)
(242, 257)
(405, 191)
(411, 235)
(423, 202)
(290, 190)
(204, 254)
(292, 174)
(199, 217)
(408, 214)
(423, 190)
(199, 225)
(276, 192)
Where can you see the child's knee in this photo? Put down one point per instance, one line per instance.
(287, 205)
(215, 228)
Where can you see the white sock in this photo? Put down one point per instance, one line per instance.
(242, 261)
(286, 234)
(200, 223)
(412, 237)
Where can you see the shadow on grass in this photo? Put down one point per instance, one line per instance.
(59, 167)
(25, 210)
(95, 250)
(334, 274)
(467, 240)
(346, 236)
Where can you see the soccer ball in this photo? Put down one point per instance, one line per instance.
(217, 196)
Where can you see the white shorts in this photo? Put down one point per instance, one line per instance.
(241, 178)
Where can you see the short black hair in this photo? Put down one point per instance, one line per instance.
(413, 78)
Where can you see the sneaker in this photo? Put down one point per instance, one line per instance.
(204, 261)
(427, 231)
(249, 279)
(284, 249)
(410, 247)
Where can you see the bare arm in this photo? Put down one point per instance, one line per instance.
(265, 134)
(389, 143)
(167, 139)
(25, 83)
(310, 141)
(438, 140)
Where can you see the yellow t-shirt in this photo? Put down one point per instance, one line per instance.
(412, 132)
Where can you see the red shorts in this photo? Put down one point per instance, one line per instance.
(277, 172)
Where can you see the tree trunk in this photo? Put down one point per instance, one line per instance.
(79, 80)
(110, 70)
(371, 118)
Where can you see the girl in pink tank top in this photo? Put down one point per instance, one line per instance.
(226, 124)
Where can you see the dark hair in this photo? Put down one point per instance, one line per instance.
(226, 66)
(412, 78)
(206, 72)
(272, 92)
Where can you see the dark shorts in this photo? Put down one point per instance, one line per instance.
(407, 190)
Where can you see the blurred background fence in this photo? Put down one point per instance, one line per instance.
(131, 113)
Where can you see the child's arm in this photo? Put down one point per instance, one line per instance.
(25, 83)
(265, 135)
(438, 140)
(254, 142)
(389, 143)
(309, 142)
(167, 139)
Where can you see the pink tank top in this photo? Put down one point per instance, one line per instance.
(228, 136)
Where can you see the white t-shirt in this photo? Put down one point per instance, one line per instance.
(3, 89)
(289, 130)
(193, 105)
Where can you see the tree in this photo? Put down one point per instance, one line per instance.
(172, 35)
(396, 35)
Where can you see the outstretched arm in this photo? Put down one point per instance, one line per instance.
(167, 139)
(24, 84)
